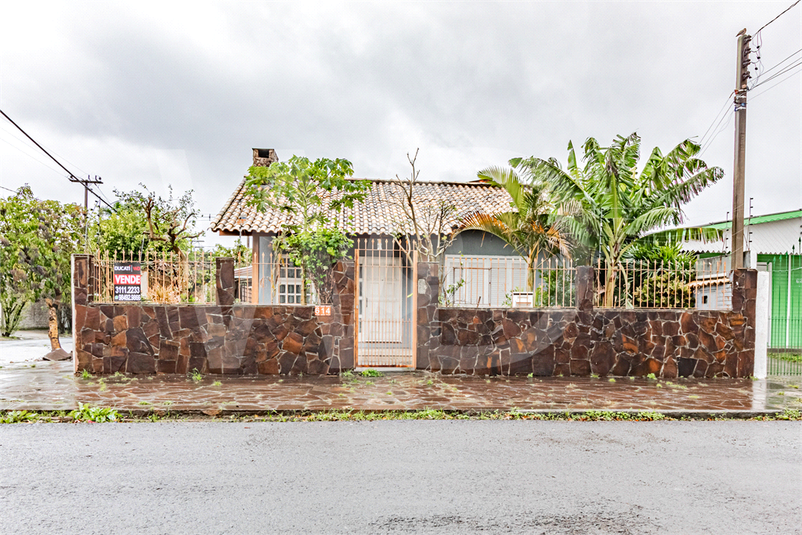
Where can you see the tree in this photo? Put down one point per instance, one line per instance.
(608, 205)
(424, 226)
(528, 227)
(124, 229)
(170, 222)
(38, 239)
(309, 192)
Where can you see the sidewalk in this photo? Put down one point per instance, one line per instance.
(51, 386)
(29, 346)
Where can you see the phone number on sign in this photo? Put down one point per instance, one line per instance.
(127, 297)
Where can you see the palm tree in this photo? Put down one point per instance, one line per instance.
(608, 205)
(528, 226)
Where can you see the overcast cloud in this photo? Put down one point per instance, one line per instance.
(180, 92)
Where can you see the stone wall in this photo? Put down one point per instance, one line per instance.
(224, 338)
(585, 341)
(233, 338)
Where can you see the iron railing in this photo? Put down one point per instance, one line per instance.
(505, 281)
(165, 277)
(658, 284)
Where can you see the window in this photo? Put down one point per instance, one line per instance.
(289, 285)
(484, 280)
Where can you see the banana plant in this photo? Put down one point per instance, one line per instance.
(608, 205)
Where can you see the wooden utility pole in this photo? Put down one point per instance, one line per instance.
(739, 166)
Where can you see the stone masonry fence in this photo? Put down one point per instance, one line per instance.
(229, 338)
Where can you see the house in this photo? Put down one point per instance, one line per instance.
(478, 267)
(772, 243)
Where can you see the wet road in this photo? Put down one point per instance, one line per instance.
(402, 477)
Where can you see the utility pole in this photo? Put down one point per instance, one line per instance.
(739, 167)
(88, 180)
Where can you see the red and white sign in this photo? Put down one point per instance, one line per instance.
(127, 281)
(323, 310)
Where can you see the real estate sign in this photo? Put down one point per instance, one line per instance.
(127, 281)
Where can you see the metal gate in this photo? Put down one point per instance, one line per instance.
(386, 313)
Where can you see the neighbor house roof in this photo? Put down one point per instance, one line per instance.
(378, 214)
(767, 234)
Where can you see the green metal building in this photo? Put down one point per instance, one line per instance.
(772, 243)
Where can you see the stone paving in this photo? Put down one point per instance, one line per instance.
(53, 386)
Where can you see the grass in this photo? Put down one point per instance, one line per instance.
(789, 357)
(196, 375)
(372, 373)
(87, 413)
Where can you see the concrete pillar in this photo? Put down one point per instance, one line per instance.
(762, 324)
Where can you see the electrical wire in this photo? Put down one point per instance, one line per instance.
(778, 16)
(783, 71)
(40, 162)
(72, 177)
(718, 131)
(10, 133)
(775, 85)
(722, 110)
(759, 67)
(783, 61)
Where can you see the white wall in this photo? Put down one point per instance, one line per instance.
(762, 324)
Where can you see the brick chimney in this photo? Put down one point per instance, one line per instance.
(264, 157)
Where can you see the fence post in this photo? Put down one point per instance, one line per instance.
(762, 325)
(584, 288)
(224, 279)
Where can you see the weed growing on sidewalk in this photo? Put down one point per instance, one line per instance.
(196, 375)
(372, 373)
(88, 413)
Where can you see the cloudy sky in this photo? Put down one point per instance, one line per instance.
(179, 92)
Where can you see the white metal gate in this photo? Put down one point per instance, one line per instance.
(386, 305)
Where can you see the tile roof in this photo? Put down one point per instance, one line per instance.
(376, 215)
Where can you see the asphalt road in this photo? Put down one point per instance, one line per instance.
(402, 477)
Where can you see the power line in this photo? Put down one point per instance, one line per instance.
(775, 85)
(40, 162)
(775, 75)
(72, 177)
(724, 107)
(778, 16)
(781, 62)
(718, 131)
(10, 133)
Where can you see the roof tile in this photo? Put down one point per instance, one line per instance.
(378, 214)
